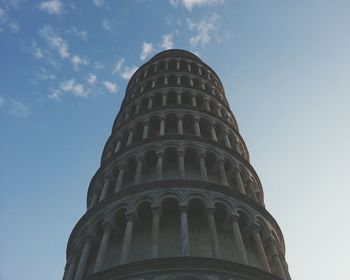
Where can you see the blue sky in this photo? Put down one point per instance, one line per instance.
(64, 66)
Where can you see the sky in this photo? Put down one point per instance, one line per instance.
(64, 67)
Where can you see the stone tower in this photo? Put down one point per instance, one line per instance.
(175, 196)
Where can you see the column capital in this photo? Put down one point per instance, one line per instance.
(160, 153)
(181, 152)
(139, 157)
(121, 166)
(183, 207)
(202, 154)
(234, 217)
(179, 116)
(162, 117)
(210, 210)
(156, 210)
(130, 217)
(146, 121)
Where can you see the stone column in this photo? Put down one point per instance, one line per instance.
(178, 79)
(207, 107)
(242, 254)
(130, 137)
(120, 178)
(145, 129)
(194, 103)
(260, 248)
(163, 99)
(138, 171)
(72, 266)
(181, 155)
(150, 102)
(219, 112)
(119, 144)
(179, 124)
(145, 74)
(222, 172)
(213, 234)
(236, 146)
(106, 183)
(179, 99)
(202, 166)
(155, 68)
(191, 82)
(165, 81)
(166, 65)
(250, 185)
(213, 132)
(102, 250)
(275, 258)
(238, 179)
(200, 70)
(185, 245)
(93, 200)
(160, 156)
(127, 114)
(285, 266)
(137, 109)
(189, 67)
(84, 257)
(124, 257)
(227, 140)
(177, 65)
(197, 129)
(155, 232)
(161, 129)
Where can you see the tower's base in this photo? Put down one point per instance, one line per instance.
(183, 268)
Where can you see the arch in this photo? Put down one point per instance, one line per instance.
(170, 166)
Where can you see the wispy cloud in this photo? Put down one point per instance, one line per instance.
(147, 49)
(6, 23)
(77, 61)
(55, 41)
(52, 7)
(124, 71)
(19, 109)
(189, 4)
(68, 86)
(82, 34)
(203, 29)
(110, 87)
(37, 52)
(98, 3)
(107, 24)
(2, 101)
(168, 41)
(92, 79)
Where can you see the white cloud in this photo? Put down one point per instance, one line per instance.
(110, 87)
(119, 65)
(2, 100)
(19, 109)
(7, 23)
(98, 3)
(147, 49)
(77, 61)
(82, 34)
(203, 28)
(189, 4)
(37, 52)
(128, 72)
(168, 41)
(107, 24)
(68, 86)
(52, 7)
(92, 79)
(98, 66)
(124, 71)
(55, 41)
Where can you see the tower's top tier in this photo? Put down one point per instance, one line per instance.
(176, 53)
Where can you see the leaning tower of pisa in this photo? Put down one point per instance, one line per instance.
(175, 196)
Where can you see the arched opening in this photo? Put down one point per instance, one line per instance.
(141, 245)
(170, 166)
(224, 231)
(204, 126)
(129, 173)
(212, 166)
(144, 104)
(171, 124)
(138, 131)
(172, 81)
(198, 229)
(154, 126)
(157, 100)
(192, 166)
(171, 98)
(150, 166)
(188, 124)
(186, 99)
(169, 235)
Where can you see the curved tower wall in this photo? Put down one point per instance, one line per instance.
(175, 195)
